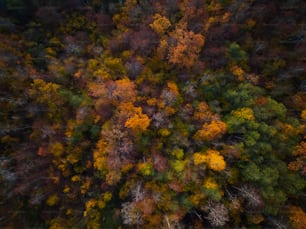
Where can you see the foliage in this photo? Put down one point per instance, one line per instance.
(187, 48)
(138, 122)
(160, 24)
(212, 158)
(152, 114)
(210, 131)
(297, 217)
(299, 163)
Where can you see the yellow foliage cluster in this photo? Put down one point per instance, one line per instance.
(127, 167)
(199, 158)
(178, 165)
(113, 177)
(66, 189)
(101, 73)
(52, 200)
(69, 129)
(55, 224)
(164, 132)
(85, 186)
(160, 24)
(101, 202)
(210, 183)
(76, 178)
(178, 153)
(45, 90)
(212, 158)
(57, 149)
(92, 64)
(145, 168)
(215, 161)
(68, 211)
(90, 204)
(210, 131)
(195, 199)
(99, 155)
(244, 113)
(47, 94)
(74, 157)
(107, 196)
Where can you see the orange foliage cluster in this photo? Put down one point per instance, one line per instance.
(138, 122)
(203, 113)
(297, 217)
(210, 131)
(160, 24)
(300, 162)
(188, 47)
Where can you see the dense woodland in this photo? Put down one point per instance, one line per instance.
(166, 114)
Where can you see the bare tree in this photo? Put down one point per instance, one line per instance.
(217, 214)
(251, 195)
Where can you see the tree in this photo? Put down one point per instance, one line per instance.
(252, 197)
(217, 214)
(124, 90)
(160, 24)
(235, 54)
(47, 94)
(215, 161)
(186, 48)
(138, 122)
(212, 158)
(297, 217)
(210, 131)
(130, 214)
(143, 41)
(299, 164)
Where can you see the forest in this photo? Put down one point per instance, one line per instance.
(152, 114)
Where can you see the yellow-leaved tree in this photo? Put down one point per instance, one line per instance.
(244, 113)
(215, 161)
(211, 158)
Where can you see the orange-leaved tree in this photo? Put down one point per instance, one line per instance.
(210, 131)
(297, 217)
(188, 45)
(160, 24)
(138, 122)
(300, 162)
